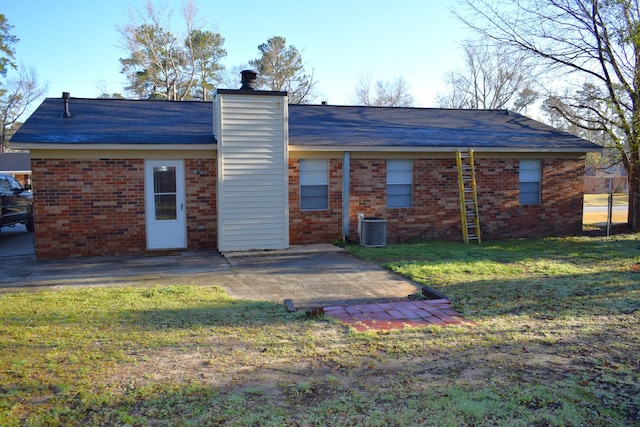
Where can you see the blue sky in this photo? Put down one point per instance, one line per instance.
(73, 44)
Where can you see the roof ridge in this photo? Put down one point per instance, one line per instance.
(189, 101)
(497, 110)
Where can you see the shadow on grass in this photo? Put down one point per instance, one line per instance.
(452, 397)
(453, 380)
(230, 313)
(159, 307)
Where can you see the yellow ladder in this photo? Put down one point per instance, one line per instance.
(468, 196)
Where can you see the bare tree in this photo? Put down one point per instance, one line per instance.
(492, 78)
(203, 52)
(7, 40)
(17, 95)
(103, 90)
(280, 67)
(556, 110)
(163, 65)
(597, 41)
(383, 94)
(230, 76)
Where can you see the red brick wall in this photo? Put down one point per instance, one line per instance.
(436, 213)
(316, 226)
(202, 220)
(95, 207)
(560, 210)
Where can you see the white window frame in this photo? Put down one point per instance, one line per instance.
(314, 184)
(399, 183)
(530, 182)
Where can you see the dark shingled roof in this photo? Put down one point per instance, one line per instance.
(114, 121)
(320, 125)
(15, 162)
(119, 121)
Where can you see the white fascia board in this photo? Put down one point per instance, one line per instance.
(11, 172)
(396, 149)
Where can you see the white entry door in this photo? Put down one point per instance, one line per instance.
(165, 204)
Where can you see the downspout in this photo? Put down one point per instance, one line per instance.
(346, 169)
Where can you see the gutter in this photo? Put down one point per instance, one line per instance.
(426, 149)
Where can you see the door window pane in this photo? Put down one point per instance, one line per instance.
(166, 207)
(164, 179)
(165, 197)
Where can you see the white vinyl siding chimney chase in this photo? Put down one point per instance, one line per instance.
(252, 136)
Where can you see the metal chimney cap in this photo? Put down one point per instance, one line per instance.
(249, 79)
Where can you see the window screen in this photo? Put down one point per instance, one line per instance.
(314, 184)
(530, 178)
(399, 183)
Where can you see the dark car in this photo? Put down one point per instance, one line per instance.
(16, 203)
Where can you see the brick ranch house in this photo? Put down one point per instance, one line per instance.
(250, 172)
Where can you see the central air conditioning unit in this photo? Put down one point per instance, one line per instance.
(373, 232)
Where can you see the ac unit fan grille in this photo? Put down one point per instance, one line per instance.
(373, 232)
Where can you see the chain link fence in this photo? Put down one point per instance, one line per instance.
(16, 241)
(609, 212)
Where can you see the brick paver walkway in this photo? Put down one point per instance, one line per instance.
(395, 315)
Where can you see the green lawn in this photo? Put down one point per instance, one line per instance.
(556, 342)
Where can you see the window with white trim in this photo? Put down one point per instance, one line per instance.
(314, 184)
(399, 183)
(529, 181)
